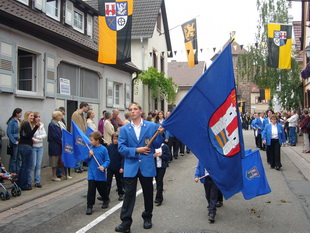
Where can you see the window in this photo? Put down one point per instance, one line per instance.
(159, 22)
(78, 20)
(26, 71)
(89, 84)
(155, 65)
(53, 9)
(116, 94)
(162, 64)
(26, 2)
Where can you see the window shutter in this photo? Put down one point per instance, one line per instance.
(110, 85)
(7, 65)
(127, 95)
(90, 25)
(69, 13)
(50, 75)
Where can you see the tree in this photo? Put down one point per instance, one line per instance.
(252, 65)
(159, 84)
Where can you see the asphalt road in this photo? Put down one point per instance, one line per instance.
(285, 209)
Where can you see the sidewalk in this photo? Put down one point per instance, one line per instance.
(299, 159)
(49, 187)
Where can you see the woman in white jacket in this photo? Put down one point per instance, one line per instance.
(37, 150)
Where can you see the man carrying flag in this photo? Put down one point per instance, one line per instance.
(217, 141)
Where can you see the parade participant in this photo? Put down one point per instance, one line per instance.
(13, 135)
(259, 126)
(115, 168)
(162, 157)
(273, 136)
(267, 121)
(80, 120)
(27, 129)
(37, 150)
(211, 189)
(139, 163)
(97, 172)
(292, 123)
(172, 141)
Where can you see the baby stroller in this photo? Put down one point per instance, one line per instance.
(10, 178)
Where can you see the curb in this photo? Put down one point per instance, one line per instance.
(302, 164)
(22, 201)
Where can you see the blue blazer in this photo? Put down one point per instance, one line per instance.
(102, 156)
(266, 135)
(200, 171)
(258, 124)
(265, 122)
(128, 143)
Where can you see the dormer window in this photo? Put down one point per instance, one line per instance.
(53, 9)
(78, 20)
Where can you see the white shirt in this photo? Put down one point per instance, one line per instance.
(158, 159)
(274, 131)
(292, 121)
(137, 129)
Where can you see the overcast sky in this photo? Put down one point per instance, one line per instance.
(215, 20)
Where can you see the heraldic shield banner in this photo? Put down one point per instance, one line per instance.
(190, 39)
(279, 46)
(115, 22)
(215, 135)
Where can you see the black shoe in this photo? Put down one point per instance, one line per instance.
(211, 218)
(121, 197)
(182, 154)
(188, 151)
(272, 167)
(27, 188)
(78, 171)
(99, 198)
(38, 185)
(84, 169)
(105, 204)
(89, 211)
(278, 168)
(147, 224)
(175, 157)
(219, 204)
(122, 228)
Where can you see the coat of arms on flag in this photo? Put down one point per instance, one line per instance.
(279, 37)
(252, 173)
(116, 15)
(223, 129)
(68, 148)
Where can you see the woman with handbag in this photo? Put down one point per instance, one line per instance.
(305, 129)
(13, 135)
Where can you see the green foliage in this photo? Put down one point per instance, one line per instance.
(252, 65)
(159, 84)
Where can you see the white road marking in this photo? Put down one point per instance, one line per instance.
(105, 215)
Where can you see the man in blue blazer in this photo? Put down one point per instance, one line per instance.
(138, 163)
(260, 127)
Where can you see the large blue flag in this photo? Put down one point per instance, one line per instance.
(81, 150)
(254, 179)
(207, 121)
(67, 149)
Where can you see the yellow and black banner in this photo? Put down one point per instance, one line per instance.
(115, 22)
(190, 39)
(279, 46)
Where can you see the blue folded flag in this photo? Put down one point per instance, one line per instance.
(247, 152)
(68, 157)
(81, 143)
(89, 131)
(254, 178)
(207, 120)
